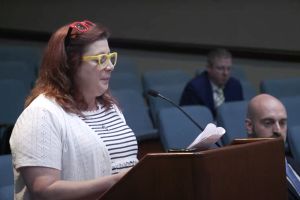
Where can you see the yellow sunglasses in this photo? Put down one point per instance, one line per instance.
(103, 59)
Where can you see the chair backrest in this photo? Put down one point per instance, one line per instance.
(293, 138)
(29, 54)
(238, 72)
(136, 113)
(19, 70)
(231, 116)
(13, 94)
(176, 130)
(125, 65)
(154, 79)
(172, 92)
(281, 87)
(126, 80)
(248, 90)
(292, 105)
(6, 177)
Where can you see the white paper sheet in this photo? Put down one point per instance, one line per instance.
(210, 135)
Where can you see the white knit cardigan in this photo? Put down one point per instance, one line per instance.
(45, 135)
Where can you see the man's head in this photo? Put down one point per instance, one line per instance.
(266, 117)
(219, 63)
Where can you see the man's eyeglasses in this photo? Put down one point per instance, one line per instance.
(80, 27)
(103, 59)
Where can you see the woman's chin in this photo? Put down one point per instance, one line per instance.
(102, 90)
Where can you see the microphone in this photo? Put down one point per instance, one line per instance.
(154, 93)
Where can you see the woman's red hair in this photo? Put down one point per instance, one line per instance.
(59, 65)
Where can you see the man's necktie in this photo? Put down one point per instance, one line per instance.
(292, 178)
(219, 99)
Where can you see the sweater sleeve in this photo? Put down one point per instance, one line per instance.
(36, 139)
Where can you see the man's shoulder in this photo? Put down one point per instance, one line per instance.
(233, 83)
(201, 78)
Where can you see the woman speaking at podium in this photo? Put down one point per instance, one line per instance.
(72, 141)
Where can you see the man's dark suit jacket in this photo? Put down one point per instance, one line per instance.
(292, 194)
(199, 92)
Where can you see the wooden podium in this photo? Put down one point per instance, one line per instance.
(244, 171)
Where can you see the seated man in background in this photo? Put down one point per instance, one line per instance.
(213, 86)
(267, 117)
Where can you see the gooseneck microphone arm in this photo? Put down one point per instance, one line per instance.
(154, 93)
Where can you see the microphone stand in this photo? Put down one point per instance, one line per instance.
(154, 93)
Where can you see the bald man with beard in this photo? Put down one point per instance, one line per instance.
(267, 117)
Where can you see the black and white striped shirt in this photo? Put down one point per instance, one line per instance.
(120, 140)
